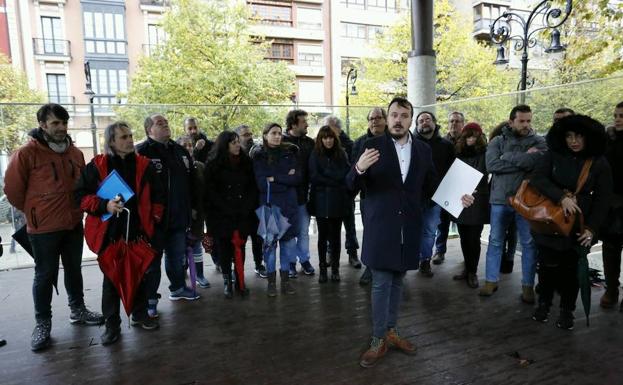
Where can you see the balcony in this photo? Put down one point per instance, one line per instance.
(52, 49)
(154, 5)
(482, 29)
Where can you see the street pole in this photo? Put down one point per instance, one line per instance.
(352, 75)
(91, 95)
(551, 18)
(421, 62)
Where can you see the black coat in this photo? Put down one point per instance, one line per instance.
(283, 193)
(443, 152)
(202, 155)
(329, 197)
(613, 226)
(560, 169)
(305, 145)
(175, 168)
(479, 212)
(231, 197)
(347, 145)
(392, 220)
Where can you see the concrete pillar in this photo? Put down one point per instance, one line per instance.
(421, 73)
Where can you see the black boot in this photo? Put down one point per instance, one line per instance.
(565, 320)
(286, 285)
(541, 314)
(335, 274)
(271, 291)
(111, 334)
(353, 260)
(229, 290)
(322, 277)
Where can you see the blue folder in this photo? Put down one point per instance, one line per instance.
(112, 186)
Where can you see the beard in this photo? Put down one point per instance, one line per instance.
(398, 135)
(425, 129)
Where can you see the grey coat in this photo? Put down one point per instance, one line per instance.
(509, 163)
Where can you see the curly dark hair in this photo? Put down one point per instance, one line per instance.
(594, 134)
(461, 143)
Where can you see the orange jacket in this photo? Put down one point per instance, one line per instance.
(41, 183)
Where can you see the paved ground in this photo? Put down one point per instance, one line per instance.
(313, 337)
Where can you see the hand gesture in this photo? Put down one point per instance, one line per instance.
(270, 178)
(569, 206)
(532, 150)
(467, 200)
(585, 238)
(367, 159)
(114, 206)
(200, 144)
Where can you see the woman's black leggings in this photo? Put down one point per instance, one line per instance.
(558, 271)
(329, 230)
(470, 245)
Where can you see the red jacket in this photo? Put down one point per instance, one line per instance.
(149, 212)
(40, 183)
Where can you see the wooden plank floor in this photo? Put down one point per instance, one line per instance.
(314, 337)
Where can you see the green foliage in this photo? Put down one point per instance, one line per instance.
(209, 58)
(464, 66)
(15, 120)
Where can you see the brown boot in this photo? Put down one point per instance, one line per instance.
(488, 289)
(378, 348)
(609, 299)
(396, 341)
(527, 294)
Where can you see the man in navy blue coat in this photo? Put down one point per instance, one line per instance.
(397, 174)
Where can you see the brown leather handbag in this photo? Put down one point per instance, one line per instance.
(545, 216)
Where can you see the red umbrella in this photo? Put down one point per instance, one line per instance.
(238, 259)
(124, 264)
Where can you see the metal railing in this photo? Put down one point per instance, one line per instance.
(51, 47)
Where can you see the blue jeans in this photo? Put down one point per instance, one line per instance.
(302, 236)
(501, 218)
(430, 221)
(174, 255)
(386, 297)
(46, 249)
(286, 255)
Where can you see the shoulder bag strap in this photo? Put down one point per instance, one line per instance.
(581, 181)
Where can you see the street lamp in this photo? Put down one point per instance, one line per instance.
(350, 90)
(91, 95)
(501, 32)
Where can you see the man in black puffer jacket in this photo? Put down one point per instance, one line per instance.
(427, 130)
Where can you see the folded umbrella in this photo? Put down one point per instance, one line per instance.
(190, 241)
(124, 263)
(272, 223)
(584, 279)
(238, 243)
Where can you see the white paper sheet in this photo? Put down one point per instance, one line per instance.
(460, 179)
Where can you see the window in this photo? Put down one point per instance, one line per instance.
(358, 4)
(52, 35)
(361, 31)
(311, 92)
(104, 33)
(272, 14)
(108, 79)
(309, 55)
(378, 5)
(281, 50)
(309, 18)
(57, 88)
(155, 37)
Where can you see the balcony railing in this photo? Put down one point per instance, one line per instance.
(51, 47)
(156, 3)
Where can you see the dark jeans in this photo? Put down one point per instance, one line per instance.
(152, 279)
(470, 245)
(611, 252)
(226, 253)
(329, 231)
(351, 242)
(558, 272)
(442, 232)
(386, 297)
(46, 250)
(111, 302)
(174, 256)
(256, 248)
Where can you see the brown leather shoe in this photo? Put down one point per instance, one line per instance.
(488, 289)
(609, 299)
(527, 294)
(396, 341)
(378, 348)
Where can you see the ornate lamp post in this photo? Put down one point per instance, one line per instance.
(551, 18)
(91, 95)
(352, 90)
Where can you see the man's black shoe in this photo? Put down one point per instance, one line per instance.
(40, 338)
(111, 335)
